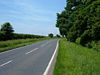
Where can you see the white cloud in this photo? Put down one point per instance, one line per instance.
(26, 11)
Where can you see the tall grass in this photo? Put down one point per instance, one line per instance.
(74, 59)
(10, 44)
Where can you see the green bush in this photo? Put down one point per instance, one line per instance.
(78, 40)
(2, 35)
(90, 44)
(96, 31)
(96, 46)
(50, 35)
(72, 36)
(86, 37)
(93, 44)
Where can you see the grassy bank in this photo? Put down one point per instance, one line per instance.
(76, 60)
(10, 44)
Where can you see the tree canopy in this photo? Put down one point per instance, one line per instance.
(7, 33)
(80, 19)
(7, 30)
(50, 35)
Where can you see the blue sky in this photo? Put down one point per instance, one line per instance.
(31, 16)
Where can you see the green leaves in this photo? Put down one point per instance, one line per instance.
(7, 31)
(50, 35)
(7, 28)
(83, 21)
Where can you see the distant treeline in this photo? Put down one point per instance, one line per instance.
(80, 22)
(7, 33)
(24, 36)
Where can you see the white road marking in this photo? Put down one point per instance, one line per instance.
(6, 63)
(44, 44)
(48, 67)
(32, 51)
(13, 49)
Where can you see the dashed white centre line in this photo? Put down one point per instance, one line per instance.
(43, 45)
(32, 51)
(6, 63)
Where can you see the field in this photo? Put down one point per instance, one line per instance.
(74, 59)
(10, 44)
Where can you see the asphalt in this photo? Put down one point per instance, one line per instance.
(28, 60)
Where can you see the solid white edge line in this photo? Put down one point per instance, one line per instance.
(6, 63)
(48, 67)
(32, 51)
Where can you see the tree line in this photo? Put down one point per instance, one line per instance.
(7, 33)
(80, 22)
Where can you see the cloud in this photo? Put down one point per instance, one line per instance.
(25, 6)
(26, 11)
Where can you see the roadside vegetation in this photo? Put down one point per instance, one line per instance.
(75, 59)
(79, 53)
(50, 35)
(7, 33)
(80, 22)
(10, 40)
(11, 44)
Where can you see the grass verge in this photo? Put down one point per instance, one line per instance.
(10, 44)
(74, 59)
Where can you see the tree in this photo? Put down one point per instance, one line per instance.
(86, 37)
(7, 29)
(50, 35)
(58, 36)
(1, 36)
(80, 19)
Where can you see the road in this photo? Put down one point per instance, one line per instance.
(28, 60)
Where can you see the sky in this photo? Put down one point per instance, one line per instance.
(31, 16)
